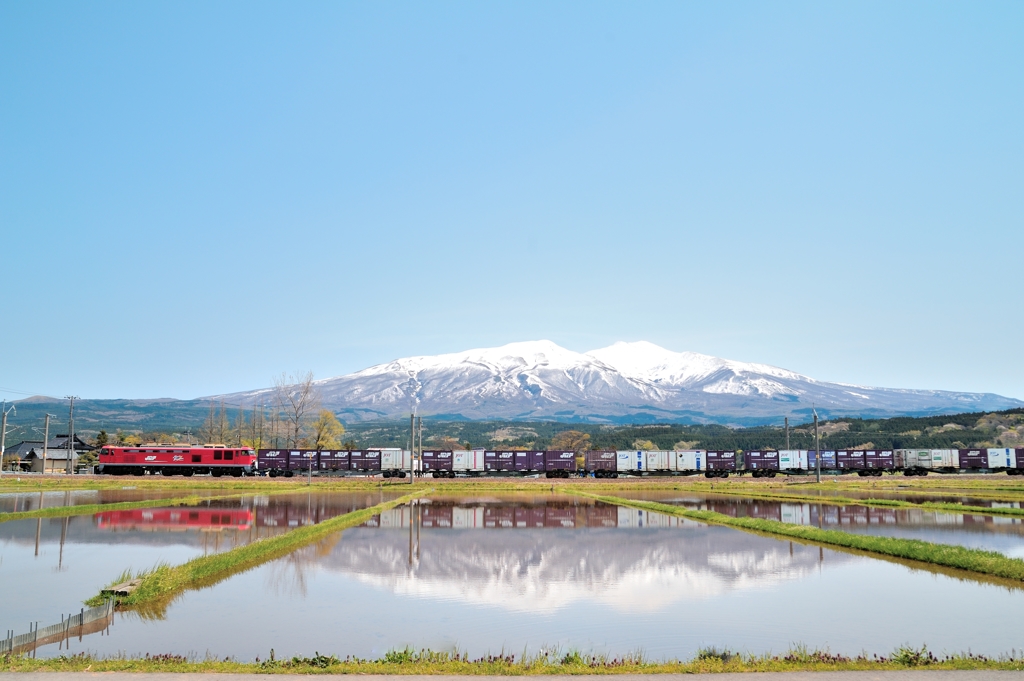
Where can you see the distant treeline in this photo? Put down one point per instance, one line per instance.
(990, 429)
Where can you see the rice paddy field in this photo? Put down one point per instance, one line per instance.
(582, 572)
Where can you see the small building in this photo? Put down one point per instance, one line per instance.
(30, 454)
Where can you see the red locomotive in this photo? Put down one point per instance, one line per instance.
(217, 460)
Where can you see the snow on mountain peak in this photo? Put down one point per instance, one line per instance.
(540, 379)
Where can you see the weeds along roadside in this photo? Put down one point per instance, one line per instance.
(160, 585)
(551, 661)
(988, 563)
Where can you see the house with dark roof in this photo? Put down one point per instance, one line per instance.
(30, 454)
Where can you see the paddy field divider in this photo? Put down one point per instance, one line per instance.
(945, 555)
(939, 506)
(160, 585)
(90, 509)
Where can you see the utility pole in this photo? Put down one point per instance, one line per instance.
(817, 448)
(412, 448)
(3, 431)
(46, 440)
(71, 433)
(787, 433)
(412, 452)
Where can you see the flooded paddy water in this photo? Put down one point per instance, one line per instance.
(511, 572)
(1004, 534)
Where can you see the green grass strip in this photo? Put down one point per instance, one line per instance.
(90, 509)
(946, 555)
(164, 582)
(941, 506)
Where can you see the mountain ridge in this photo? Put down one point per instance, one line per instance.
(625, 382)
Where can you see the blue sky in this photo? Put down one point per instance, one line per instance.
(214, 193)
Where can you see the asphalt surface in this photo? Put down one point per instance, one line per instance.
(908, 675)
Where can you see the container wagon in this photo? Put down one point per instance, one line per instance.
(559, 464)
(761, 464)
(394, 462)
(437, 464)
(720, 464)
(601, 463)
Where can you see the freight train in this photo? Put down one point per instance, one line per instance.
(218, 460)
(612, 464)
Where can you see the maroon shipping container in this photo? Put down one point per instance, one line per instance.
(529, 516)
(850, 459)
(528, 462)
(721, 461)
(600, 461)
(336, 460)
(973, 458)
(560, 516)
(761, 460)
(560, 461)
(879, 459)
(272, 459)
(365, 460)
(302, 459)
(499, 516)
(436, 516)
(504, 461)
(437, 461)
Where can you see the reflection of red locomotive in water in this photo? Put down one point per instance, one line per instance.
(180, 519)
(217, 460)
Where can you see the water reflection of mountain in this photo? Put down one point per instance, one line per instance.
(628, 569)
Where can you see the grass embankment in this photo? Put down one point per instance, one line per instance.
(993, 486)
(945, 555)
(90, 509)
(944, 507)
(164, 582)
(426, 662)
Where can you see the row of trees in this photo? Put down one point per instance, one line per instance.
(294, 417)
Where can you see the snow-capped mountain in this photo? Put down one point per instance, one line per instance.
(626, 382)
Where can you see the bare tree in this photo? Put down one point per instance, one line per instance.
(299, 399)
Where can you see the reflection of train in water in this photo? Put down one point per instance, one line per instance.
(176, 519)
(443, 515)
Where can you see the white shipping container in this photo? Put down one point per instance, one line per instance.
(793, 459)
(630, 461)
(394, 459)
(690, 460)
(945, 458)
(658, 461)
(913, 458)
(1002, 458)
(468, 461)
